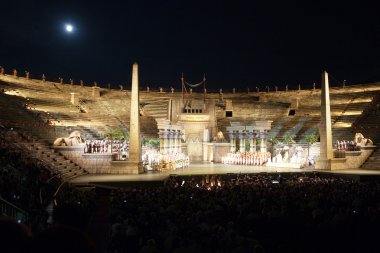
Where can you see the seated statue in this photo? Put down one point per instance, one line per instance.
(361, 141)
(74, 139)
(220, 137)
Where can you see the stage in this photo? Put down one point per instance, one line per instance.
(198, 169)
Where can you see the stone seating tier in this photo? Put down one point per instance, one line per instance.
(112, 108)
(373, 162)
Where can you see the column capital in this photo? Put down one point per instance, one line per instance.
(263, 135)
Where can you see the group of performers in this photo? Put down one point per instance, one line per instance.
(154, 160)
(347, 145)
(247, 158)
(286, 154)
(105, 146)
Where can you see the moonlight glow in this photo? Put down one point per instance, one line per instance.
(69, 28)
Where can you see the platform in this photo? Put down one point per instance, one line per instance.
(197, 169)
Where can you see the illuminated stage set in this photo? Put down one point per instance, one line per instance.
(189, 132)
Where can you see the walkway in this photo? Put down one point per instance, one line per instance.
(202, 169)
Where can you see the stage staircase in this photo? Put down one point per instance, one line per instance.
(10, 210)
(33, 139)
(155, 107)
(60, 166)
(373, 162)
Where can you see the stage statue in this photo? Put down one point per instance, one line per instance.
(220, 137)
(361, 141)
(74, 139)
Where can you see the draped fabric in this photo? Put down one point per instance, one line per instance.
(194, 85)
(184, 84)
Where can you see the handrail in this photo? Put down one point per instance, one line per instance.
(9, 209)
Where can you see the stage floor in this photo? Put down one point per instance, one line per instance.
(204, 169)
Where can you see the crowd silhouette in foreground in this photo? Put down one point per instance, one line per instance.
(247, 213)
(216, 213)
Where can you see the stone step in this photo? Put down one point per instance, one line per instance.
(374, 158)
(47, 152)
(60, 167)
(66, 169)
(74, 166)
(60, 159)
(371, 167)
(63, 162)
(47, 156)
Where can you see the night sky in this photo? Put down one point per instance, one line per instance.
(235, 43)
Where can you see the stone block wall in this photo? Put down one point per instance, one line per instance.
(93, 163)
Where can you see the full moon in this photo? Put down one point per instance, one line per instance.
(69, 28)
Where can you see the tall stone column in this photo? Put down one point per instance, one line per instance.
(134, 129)
(134, 164)
(166, 142)
(161, 136)
(241, 142)
(231, 135)
(175, 140)
(235, 140)
(263, 143)
(251, 136)
(180, 142)
(325, 133)
(170, 141)
(255, 142)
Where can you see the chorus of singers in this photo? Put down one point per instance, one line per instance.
(105, 146)
(247, 158)
(347, 145)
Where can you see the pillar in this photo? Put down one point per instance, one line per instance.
(175, 141)
(231, 135)
(165, 141)
(242, 142)
(263, 143)
(252, 145)
(325, 125)
(95, 91)
(169, 114)
(325, 133)
(134, 129)
(134, 164)
(74, 98)
(170, 141)
(180, 142)
(161, 136)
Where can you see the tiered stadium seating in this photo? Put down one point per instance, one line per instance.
(292, 112)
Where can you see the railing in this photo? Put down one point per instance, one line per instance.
(10, 210)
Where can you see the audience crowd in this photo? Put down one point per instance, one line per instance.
(247, 213)
(28, 185)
